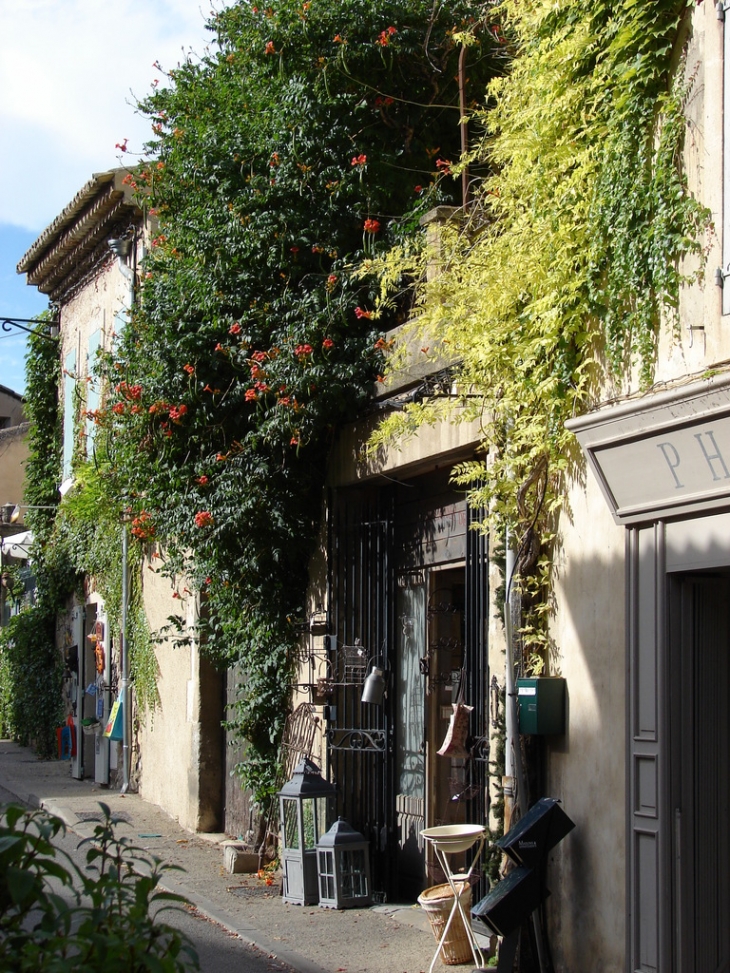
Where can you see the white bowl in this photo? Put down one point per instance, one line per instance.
(454, 837)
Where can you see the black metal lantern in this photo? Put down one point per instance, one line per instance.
(306, 804)
(343, 866)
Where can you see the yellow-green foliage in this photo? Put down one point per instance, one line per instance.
(570, 253)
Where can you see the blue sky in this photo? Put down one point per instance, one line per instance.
(69, 74)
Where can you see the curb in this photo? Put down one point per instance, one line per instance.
(206, 907)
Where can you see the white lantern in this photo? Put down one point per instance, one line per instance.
(305, 807)
(343, 866)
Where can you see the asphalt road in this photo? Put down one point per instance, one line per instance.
(219, 950)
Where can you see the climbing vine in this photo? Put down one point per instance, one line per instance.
(88, 533)
(279, 163)
(79, 537)
(555, 281)
(30, 666)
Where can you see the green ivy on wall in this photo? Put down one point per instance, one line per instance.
(556, 281)
(88, 534)
(30, 665)
(80, 537)
(278, 164)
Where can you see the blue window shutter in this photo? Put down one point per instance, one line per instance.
(69, 382)
(92, 389)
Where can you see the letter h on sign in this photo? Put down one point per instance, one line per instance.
(712, 456)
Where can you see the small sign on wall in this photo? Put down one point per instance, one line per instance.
(114, 728)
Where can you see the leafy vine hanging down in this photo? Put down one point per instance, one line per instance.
(279, 163)
(88, 534)
(30, 666)
(572, 251)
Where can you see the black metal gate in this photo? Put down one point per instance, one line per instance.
(360, 737)
(476, 663)
(367, 557)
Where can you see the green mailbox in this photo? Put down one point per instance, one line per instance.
(541, 702)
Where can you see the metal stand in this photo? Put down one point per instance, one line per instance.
(508, 951)
(449, 840)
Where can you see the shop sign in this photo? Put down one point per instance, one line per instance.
(663, 456)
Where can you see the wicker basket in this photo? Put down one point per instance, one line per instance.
(437, 902)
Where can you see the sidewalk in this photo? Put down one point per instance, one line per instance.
(382, 939)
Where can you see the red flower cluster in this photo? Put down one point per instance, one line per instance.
(251, 395)
(371, 226)
(143, 526)
(301, 351)
(235, 328)
(190, 369)
(327, 343)
(203, 518)
(177, 412)
(359, 313)
(131, 392)
(202, 480)
(444, 165)
(385, 35)
(270, 49)
(159, 406)
(359, 160)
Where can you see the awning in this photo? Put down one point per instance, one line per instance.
(17, 545)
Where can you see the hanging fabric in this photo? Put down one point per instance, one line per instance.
(454, 744)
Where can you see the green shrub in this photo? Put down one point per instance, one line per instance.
(107, 918)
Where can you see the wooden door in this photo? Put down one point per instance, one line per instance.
(700, 799)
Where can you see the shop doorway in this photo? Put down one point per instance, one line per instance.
(409, 594)
(699, 776)
(430, 788)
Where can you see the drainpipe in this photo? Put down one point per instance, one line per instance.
(514, 779)
(122, 248)
(124, 688)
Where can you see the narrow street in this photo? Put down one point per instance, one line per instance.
(219, 949)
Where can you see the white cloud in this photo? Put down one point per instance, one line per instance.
(68, 71)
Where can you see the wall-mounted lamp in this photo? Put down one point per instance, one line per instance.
(374, 686)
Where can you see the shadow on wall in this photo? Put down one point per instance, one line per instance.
(587, 767)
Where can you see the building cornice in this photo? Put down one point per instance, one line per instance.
(68, 248)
